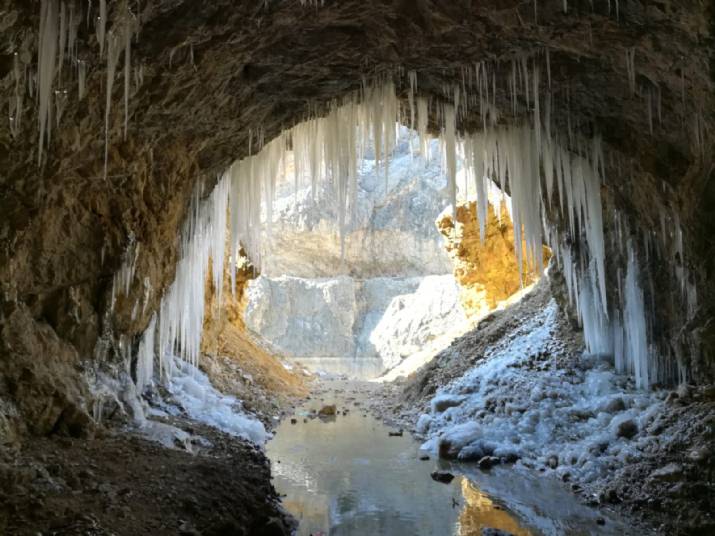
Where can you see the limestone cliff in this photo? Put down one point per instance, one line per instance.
(385, 293)
(487, 271)
(389, 232)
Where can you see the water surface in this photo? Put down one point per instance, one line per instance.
(346, 476)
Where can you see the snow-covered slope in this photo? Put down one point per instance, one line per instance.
(531, 398)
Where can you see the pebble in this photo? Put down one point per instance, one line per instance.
(442, 476)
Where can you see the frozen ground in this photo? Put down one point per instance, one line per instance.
(518, 403)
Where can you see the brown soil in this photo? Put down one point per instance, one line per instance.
(242, 368)
(236, 362)
(120, 484)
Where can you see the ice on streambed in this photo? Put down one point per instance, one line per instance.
(192, 389)
(519, 403)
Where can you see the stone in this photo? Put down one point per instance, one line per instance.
(552, 461)
(441, 403)
(614, 405)
(327, 411)
(442, 476)
(626, 429)
(668, 473)
(510, 457)
(488, 531)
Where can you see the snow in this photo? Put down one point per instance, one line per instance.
(518, 401)
(193, 391)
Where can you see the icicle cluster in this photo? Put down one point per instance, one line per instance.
(57, 45)
(542, 171)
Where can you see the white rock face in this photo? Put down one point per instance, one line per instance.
(392, 294)
(425, 320)
(386, 318)
(304, 317)
(392, 232)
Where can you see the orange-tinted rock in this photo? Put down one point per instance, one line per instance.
(487, 271)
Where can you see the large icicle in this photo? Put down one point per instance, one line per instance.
(47, 56)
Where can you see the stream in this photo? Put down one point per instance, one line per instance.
(346, 475)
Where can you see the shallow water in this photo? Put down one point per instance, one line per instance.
(361, 368)
(346, 476)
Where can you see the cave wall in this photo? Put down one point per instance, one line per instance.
(210, 78)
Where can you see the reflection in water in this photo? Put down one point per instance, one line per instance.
(481, 512)
(346, 476)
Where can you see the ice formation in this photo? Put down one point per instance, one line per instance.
(192, 389)
(328, 148)
(57, 45)
(47, 54)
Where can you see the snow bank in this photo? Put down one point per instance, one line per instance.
(523, 401)
(193, 391)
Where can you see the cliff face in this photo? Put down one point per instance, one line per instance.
(234, 360)
(383, 293)
(207, 76)
(390, 232)
(487, 270)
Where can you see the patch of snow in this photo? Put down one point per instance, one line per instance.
(517, 401)
(192, 389)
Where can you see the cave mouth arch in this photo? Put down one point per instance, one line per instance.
(554, 181)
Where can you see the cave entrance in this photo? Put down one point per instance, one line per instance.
(329, 157)
(401, 280)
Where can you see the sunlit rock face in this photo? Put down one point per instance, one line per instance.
(485, 268)
(389, 295)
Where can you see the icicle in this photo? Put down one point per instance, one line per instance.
(649, 107)
(412, 75)
(127, 67)
(72, 34)
(16, 102)
(635, 324)
(145, 356)
(631, 69)
(450, 153)
(63, 40)
(422, 122)
(82, 78)
(47, 55)
(101, 25)
(61, 98)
